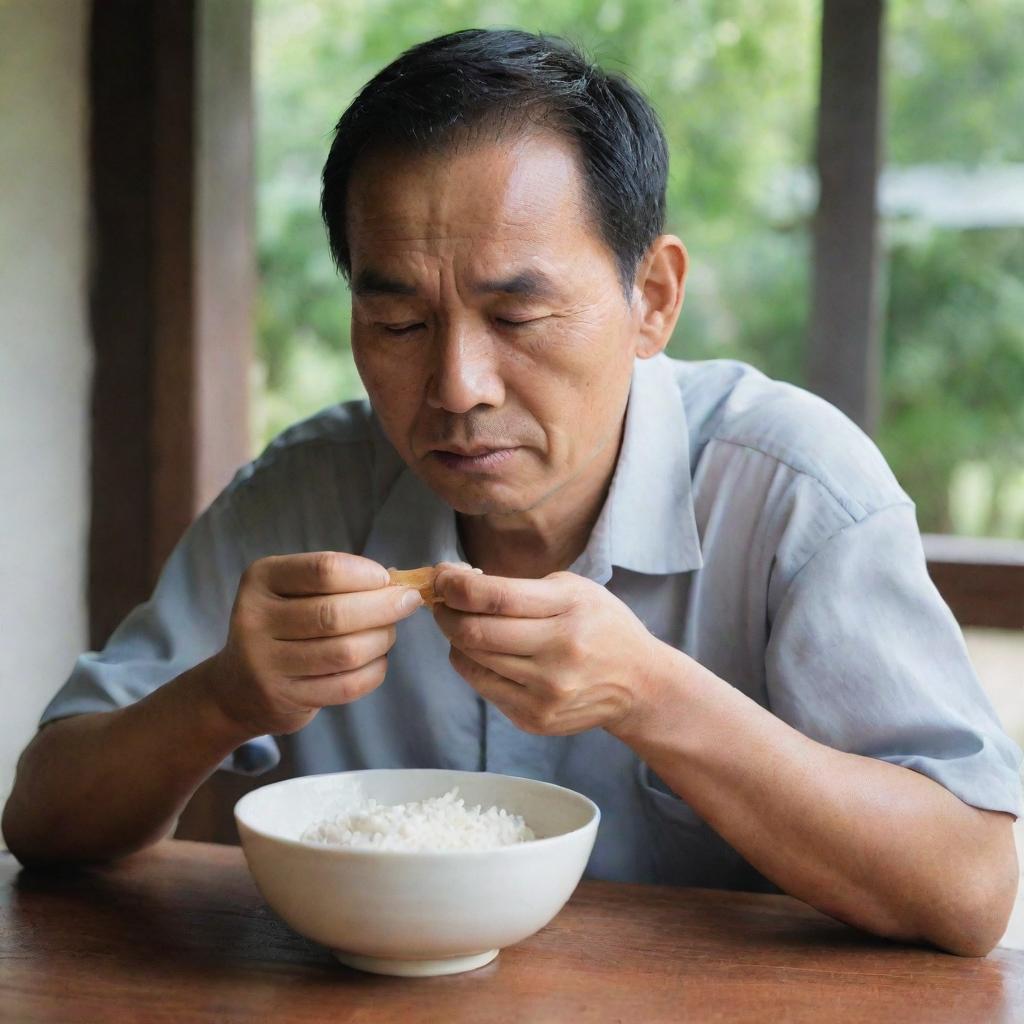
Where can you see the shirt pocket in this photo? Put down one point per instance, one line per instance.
(684, 849)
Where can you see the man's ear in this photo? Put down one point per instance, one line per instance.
(658, 294)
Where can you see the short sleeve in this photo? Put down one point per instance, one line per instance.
(184, 622)
(865, 657)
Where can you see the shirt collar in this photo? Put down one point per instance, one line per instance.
(646, 525)
(648, 517)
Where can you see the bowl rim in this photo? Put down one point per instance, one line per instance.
(348, 851)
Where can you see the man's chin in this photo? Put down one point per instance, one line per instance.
(482, 508)
(483, 505)
(474, 498)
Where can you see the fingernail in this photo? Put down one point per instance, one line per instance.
(410, 599)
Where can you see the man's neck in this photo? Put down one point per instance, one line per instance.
(547, 538)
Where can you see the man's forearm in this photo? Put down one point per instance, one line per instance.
(871, 843)
(101, 785)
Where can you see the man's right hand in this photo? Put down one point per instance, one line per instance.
(307, 631)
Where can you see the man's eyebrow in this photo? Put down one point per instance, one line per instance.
(370, 282)
(531, 283)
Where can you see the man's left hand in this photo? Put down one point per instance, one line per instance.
(557, 655)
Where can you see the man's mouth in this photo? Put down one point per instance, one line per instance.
(477, 459)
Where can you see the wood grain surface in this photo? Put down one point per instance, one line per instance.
(179, 933)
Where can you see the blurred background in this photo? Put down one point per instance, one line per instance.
(848, 176)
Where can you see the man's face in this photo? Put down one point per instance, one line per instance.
(488, 320)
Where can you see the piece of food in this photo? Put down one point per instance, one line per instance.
(419, 579)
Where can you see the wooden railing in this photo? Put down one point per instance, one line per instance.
(981, 580)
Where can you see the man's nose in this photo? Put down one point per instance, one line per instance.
(466, 372)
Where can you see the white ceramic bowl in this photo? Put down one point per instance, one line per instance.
(414, 913)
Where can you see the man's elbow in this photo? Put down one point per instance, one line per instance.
(17, 834)
(34, 830)
(976, 920)
(26, 833)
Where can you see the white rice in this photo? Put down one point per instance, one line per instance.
(438, 823)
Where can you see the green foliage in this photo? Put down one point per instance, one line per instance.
(735, 85)
(955, 81)
(955, 376)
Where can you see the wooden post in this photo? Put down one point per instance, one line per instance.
(844, 359)
(172, 279)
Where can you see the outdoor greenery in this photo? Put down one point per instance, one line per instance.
(735, 84)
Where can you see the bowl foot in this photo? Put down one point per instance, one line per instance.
(416, 968)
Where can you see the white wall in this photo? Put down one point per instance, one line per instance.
(45, 358)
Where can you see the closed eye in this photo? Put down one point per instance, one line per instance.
(519, 323)
(401, 328)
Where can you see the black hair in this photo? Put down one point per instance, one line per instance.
(477, 80)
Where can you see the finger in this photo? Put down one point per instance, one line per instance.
(342, 688)
(300, 659)
(430, 595)
(497, 633)
(304, 618)
(500, 595)
(321, 572)
(518, 703)
(457, 567)
(525, 672)
(501, 692)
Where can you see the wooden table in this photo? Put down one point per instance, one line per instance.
(179, 933)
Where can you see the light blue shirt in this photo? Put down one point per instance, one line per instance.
(748, 524)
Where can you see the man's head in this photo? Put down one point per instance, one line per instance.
(497, 204)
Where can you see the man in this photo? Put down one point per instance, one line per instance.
(703, 600)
